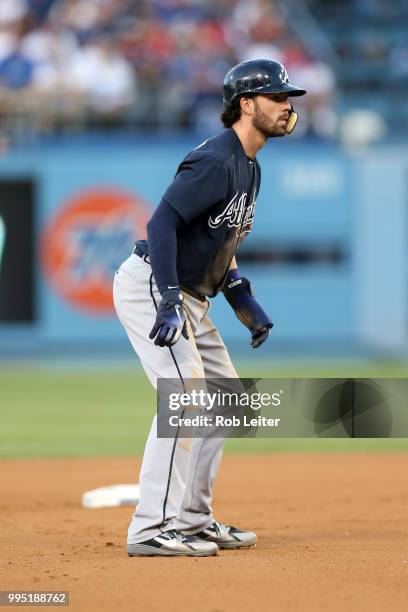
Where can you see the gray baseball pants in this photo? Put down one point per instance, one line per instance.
(176, 476)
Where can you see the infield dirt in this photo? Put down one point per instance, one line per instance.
(332, 529)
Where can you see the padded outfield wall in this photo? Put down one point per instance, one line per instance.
(327, 256)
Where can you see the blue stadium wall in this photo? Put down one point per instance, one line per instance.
(327, 255)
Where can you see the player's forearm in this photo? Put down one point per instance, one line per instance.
(162, 239)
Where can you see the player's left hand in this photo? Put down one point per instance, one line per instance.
(239, 294)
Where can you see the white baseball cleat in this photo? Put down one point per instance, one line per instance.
(226, 536)
(173, 543)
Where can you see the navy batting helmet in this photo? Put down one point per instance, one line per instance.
(257, 77)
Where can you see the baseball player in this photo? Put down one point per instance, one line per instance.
(161, 297)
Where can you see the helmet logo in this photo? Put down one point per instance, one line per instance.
(283, 75)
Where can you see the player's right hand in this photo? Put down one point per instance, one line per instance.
(171, 320)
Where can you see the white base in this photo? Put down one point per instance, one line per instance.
(114, 495)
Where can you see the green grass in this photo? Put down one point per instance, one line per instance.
(54, 414)
(71, 413)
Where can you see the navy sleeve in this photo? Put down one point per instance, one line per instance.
(259, 177)
(162, 239)
(200, 183)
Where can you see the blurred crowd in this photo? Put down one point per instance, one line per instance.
(144, 63)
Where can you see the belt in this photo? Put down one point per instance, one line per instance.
(198, 296)
(140, 253)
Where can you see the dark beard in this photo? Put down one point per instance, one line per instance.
(261, 122)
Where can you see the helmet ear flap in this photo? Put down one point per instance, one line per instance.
(292, 121)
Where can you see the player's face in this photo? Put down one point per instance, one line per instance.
(271, 114)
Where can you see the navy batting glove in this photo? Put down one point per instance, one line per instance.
(170, 319)
(238, 293)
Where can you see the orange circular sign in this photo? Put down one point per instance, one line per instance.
(87, 240)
